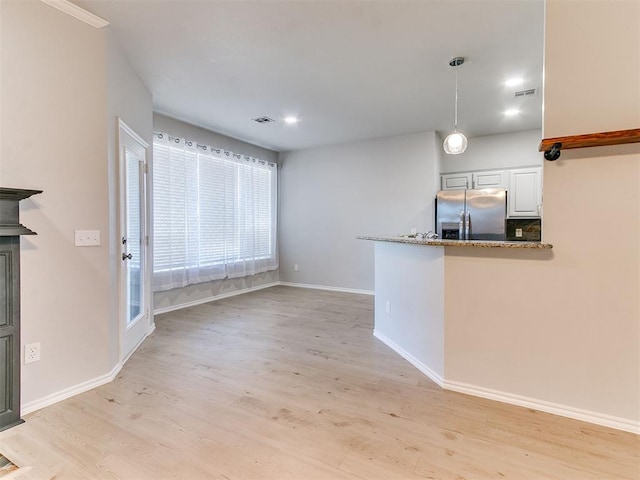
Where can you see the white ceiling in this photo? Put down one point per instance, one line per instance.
(350, 70)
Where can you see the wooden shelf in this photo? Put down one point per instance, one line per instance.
(617, 137)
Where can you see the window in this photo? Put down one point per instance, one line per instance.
(214, 214)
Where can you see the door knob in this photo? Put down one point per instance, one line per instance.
(127, 256)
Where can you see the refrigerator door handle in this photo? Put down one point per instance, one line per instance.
(461, 228)
(467, 225)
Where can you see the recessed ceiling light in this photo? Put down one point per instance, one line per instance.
(512, 82)
(511, 112)
(290, 120)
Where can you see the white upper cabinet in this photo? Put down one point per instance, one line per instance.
(471, 180)
(456, 181)
(490, 179)
(525, 192)
(523, 185)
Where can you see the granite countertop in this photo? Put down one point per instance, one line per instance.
(460, 243)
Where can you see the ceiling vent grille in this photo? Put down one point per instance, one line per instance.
(263, 120)
(526, 93)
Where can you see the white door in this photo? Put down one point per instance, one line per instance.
(134, 273)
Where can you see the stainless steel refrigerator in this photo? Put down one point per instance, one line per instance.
(471, 214)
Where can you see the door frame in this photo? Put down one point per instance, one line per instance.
(132, 336)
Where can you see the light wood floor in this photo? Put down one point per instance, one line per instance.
(289, 383)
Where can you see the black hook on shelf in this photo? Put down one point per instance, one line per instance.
(553, 153)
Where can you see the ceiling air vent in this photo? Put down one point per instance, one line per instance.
(526, 93)
(263, 120)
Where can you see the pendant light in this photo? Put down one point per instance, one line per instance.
(456, 142)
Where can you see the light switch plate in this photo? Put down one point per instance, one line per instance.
(87, 238)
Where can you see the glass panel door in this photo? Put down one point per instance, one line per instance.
(132, 240)
(135, 300)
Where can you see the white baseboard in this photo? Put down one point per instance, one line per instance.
(325, 287)
(81, 387)
(544, 406)
(213, 298)
(513, 399)
(70, 392)
(150, 330)
(410, 358)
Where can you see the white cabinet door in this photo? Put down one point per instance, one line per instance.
(455, 181)
(525, 192)
(491, 179)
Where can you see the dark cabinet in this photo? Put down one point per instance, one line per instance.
(9, 331)
(10, 232)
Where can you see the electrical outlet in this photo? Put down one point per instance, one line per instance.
(387, 307)
(518, 233)
(32, 353)
(295, 267)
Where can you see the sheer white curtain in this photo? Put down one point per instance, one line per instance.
(214, 214)
(251, 232)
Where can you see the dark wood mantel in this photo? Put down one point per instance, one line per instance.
(10, 231)
(10, 212)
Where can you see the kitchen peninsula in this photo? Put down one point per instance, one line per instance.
(411, 295)
(460, 243)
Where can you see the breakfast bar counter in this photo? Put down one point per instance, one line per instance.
(460, 243)
(409, 313)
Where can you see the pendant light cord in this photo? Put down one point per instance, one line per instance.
(455, 118)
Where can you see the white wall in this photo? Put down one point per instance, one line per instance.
(54, 138)
(563, 328)
(329, 196)
(167, 300)
(492, 152)
(409, 304)
(129, 99)
(60, 103)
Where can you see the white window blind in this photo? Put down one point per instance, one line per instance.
(214, 214)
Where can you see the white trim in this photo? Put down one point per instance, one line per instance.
(410, 358)
(81, 387)
(555, 408)
(70, 392)
(129, 131)
(325, 287)
(77, 12)
(544, 406)
(213, 298)
(150, 330)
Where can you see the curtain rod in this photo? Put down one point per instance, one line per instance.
(216, 149)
